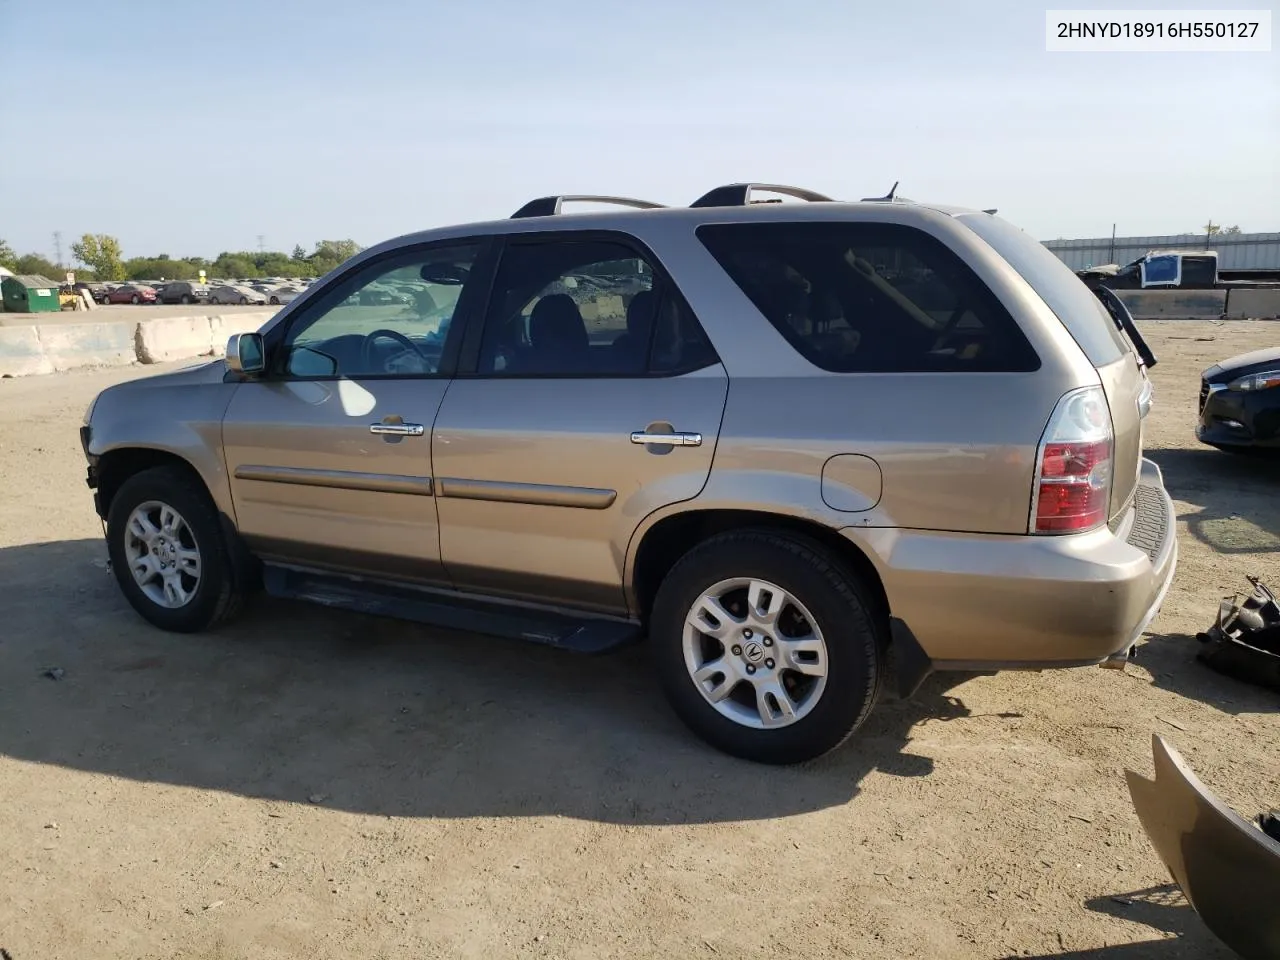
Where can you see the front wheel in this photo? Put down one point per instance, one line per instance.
(765, 647)
(168, 552)
(135, 299)
(185, 298)
(244, 301)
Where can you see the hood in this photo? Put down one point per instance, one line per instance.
(206, 371)
(1255, 361)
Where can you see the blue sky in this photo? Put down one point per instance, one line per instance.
(214, 123)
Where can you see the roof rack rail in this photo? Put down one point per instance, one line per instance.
(550, 206)
(739, 194)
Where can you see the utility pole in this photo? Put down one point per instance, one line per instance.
(262, 243)
(57, 247)
(1208, 233)
(1111, 258)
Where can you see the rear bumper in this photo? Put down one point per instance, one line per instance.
(972, 602)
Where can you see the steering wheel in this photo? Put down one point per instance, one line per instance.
(366, 348)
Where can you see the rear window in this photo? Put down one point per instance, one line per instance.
(870, 298)
(1074, 304)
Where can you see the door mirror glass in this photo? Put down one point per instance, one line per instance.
(245, 354)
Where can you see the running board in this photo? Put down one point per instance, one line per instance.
(453, 611)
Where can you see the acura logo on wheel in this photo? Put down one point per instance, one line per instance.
(753, 652)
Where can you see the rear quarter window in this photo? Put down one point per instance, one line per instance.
(870, 298)
(1066, 295)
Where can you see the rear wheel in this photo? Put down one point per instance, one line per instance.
(168, 552)
(275, 301)
(186, 298)
(765, 647)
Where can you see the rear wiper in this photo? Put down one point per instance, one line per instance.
(1124, 321)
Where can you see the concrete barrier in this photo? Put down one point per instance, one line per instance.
(74, 345)
(177, 338)
(48, 348)
(1182, 304)
(22, 353)
(1253, 304)
(156, 341)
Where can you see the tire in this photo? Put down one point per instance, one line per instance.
(275, 301)
(244, 301)
(186, 298)
(845, 626)
(135, 299)
(216, 595)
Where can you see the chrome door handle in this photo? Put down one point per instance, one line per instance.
(398, 429)
(672, 439)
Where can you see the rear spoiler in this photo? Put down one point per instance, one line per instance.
(1124, 322)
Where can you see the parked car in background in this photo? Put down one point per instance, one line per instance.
(131, 293)
(284, 295)
(722, 428)
(98, 291)
(183, 291)
(1240, 402)
(235, 293)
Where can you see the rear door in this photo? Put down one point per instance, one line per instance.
(542, 465)
(329, 454)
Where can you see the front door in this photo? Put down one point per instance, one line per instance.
(540, 454)
(329, 453)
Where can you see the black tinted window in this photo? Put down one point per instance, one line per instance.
(586, 308)
(854, 297)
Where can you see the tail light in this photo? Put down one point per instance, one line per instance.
(1073, 465)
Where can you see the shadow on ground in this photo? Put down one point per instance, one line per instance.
(1238, 496)
(1171, 660)
(1163, 909)
(292, 702)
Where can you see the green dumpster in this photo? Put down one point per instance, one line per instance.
(30, 294)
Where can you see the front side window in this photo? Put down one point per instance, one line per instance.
(586, 308)
(870, 298)
(387, 320)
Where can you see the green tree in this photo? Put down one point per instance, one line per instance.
(7, 257)
(34, 264)
(232, 265)
(299, 252)
(101, 252)
(155, 268)
(330, 253)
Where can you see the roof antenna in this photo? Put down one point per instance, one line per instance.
(887, 197)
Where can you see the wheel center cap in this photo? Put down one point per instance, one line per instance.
(752, 652)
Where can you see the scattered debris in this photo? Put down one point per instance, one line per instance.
(275, 864)
(1173, 723)
(215, 905)
(51, 825)
(1244, 642)
(1122, 901)
(1076, 816)
(318, 798)
(54, 673)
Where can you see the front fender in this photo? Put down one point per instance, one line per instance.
(179, 414)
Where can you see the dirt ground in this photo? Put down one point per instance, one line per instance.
(306, 783)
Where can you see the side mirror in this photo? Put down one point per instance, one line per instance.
(245, 354)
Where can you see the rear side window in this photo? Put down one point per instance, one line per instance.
(1075, 305)
(870, 298)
